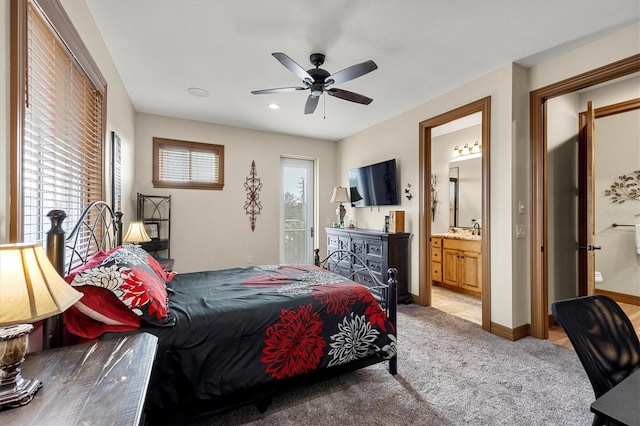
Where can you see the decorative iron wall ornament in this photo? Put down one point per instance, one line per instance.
(252, 205)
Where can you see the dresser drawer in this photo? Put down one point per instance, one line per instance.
(358, 247)
(374, 249)
(375, 266)
(333, 242)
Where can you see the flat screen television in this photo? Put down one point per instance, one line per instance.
(374, 185)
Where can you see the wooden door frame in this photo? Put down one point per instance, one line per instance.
(538, 144)
(424, 229)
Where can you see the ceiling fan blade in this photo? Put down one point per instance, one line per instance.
(312, 103)
(349, 96)
(293, 67)
(277, 90)
(352, 72)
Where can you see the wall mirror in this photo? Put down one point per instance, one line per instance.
(465, 192)
(453, 196)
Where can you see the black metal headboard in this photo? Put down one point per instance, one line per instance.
(98, 228)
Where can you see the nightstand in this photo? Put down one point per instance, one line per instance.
(91, 383)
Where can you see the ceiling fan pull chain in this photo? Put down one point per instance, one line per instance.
(325, 108)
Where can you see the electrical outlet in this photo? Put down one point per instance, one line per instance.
(521, 231)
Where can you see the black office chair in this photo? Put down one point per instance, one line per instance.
(604, 339)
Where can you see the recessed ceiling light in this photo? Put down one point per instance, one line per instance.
(196, 91)
(274, 106)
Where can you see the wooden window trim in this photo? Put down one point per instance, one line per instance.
(191, 146)
(61, 23)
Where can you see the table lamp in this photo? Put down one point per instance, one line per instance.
(136, 234)
(30, 290)
(340, 195)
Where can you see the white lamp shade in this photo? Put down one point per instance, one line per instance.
(340, 195)
(30, 287)
(136, 233)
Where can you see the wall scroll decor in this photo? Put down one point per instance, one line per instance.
(626, 187)
(252, 205)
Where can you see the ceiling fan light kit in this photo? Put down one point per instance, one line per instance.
(318, 80)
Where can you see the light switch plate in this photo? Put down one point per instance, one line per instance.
(521, 231)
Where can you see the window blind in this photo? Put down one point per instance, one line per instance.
(183, 164)
(62, 139)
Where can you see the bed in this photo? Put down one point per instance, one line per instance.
(226, 337)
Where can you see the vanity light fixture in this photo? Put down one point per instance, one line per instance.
(464, 151)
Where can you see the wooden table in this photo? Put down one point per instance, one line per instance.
(622, 403)
(103, 383)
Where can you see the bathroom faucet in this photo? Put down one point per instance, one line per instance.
(476, 227)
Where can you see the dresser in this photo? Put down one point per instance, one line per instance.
(378, 250)
(101, 383)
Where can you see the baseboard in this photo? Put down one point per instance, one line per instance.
(512, 334)
(620, 297)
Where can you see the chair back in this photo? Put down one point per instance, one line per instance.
(603, 337)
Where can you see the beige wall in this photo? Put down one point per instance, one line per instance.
(398, 137)
(209, 229)
(510, 161)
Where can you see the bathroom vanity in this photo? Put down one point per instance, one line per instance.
(456, 262)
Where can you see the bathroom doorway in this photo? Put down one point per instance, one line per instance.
(539, 190)
(431, 209)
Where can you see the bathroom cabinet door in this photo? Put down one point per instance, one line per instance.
(450, 267)
(471, 268)
(462, 265)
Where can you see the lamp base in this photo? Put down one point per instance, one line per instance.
(15, 390)
(19, 393)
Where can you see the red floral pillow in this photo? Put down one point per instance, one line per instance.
(134, 283)
(150, 261)
(98, 312)
(94, 260)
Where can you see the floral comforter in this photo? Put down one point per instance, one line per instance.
(245, 327)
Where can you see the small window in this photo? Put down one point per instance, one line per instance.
(190, 165)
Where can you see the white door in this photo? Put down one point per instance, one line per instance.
(297, 210)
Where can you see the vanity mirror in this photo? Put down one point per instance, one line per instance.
(465, 192)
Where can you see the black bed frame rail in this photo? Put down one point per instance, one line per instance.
(381, 291)
(98, 228)
(386, 294)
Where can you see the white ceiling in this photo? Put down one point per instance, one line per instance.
(423, 48)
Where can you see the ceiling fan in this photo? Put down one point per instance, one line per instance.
(318, 80)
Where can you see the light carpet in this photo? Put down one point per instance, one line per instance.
(450, 372)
